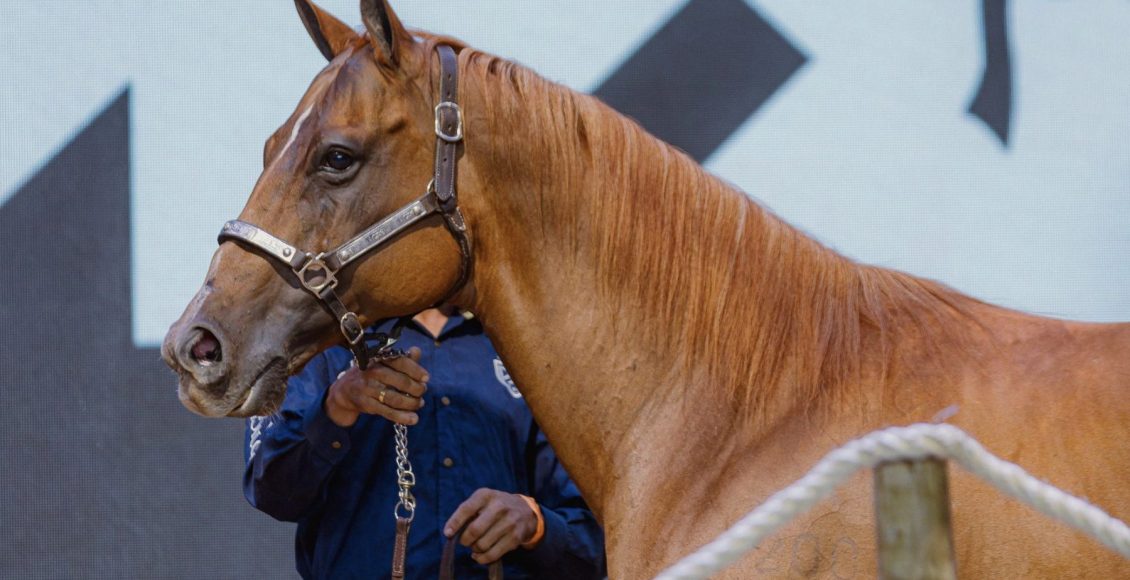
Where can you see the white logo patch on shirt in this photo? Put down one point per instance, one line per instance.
(503, 377)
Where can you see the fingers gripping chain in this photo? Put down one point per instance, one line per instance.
(405, 478)
(405, 510)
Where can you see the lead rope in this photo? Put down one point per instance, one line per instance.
(405, 510)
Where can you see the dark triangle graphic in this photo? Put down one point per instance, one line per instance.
(993, 101)
(105, 474)
(703, 74)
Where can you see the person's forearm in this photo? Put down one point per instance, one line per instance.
(287, 487)
(291, 464)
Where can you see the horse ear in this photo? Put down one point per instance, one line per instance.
(330, 34)
(388, 34)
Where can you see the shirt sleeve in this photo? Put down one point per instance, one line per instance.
(291, 454)
(573, 544)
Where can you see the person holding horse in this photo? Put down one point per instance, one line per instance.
(327, 461)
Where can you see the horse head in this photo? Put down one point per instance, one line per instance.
(359, 146)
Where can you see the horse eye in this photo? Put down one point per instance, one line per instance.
(337, 160)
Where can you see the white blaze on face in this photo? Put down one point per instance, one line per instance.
(321, 84)
(294, 131)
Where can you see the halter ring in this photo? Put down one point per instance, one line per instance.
(317, 269)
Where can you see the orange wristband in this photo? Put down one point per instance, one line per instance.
(540, 531)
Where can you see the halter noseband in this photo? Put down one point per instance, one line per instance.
(318, 272)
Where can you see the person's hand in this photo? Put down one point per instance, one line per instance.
(392, 389)
(499, 522)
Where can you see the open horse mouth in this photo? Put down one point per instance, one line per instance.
(263, 396)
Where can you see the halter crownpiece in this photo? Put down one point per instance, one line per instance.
(318, 272)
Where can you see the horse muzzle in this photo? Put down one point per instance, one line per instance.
(210, 385)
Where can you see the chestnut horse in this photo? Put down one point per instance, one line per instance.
(686, 351)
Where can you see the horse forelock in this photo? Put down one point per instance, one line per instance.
(722, 283)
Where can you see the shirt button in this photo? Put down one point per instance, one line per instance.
(336, 444)
(445, 401)
(437, 344)
(448, 462)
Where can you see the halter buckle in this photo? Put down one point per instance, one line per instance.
(316, 276)
(349, 321)
(440, 132)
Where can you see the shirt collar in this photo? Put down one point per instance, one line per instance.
(458, 320)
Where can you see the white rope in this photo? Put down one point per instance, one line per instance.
(898, 443)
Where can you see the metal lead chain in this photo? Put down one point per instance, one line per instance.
(405, 478)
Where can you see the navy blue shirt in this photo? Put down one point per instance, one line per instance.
(475, 431)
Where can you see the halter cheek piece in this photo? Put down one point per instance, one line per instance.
(318, 272)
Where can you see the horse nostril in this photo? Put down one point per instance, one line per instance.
(206, 351)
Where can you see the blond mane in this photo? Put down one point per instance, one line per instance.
(726, 285)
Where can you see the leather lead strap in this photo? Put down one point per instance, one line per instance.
(400, 549)
(447, 561)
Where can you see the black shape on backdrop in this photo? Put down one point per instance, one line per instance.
(105, 474)
(993, 101)
(711, 67)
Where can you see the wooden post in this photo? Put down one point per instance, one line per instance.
(912, 516)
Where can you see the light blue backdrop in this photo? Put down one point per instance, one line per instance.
(868, 147)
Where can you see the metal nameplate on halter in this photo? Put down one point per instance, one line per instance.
(449, 106)
(258, 238)
(387, 228)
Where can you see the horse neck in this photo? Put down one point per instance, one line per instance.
(633, 296)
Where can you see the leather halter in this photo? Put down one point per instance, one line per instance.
(318, 272)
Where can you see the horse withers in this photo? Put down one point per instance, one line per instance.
(686, 352)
